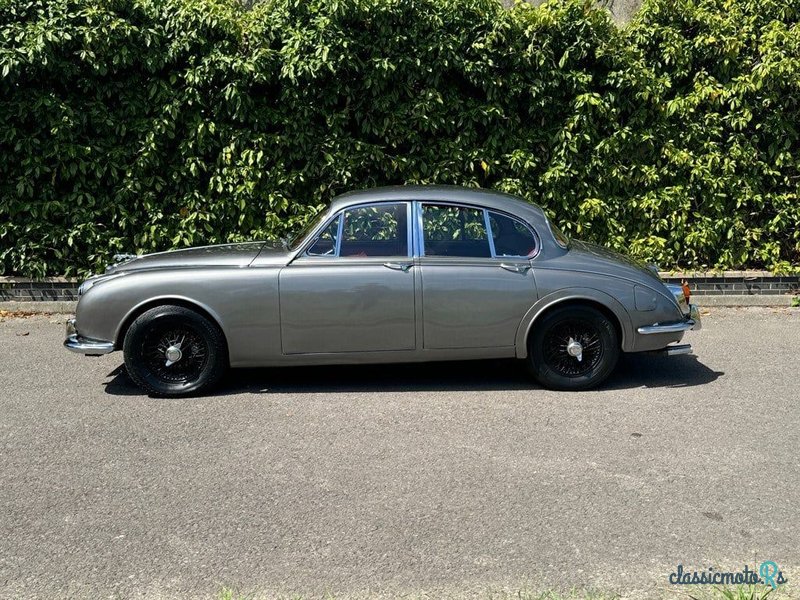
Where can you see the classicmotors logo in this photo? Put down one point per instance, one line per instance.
(767, 573)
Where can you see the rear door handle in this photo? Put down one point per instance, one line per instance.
(515, 268)
(404, 267)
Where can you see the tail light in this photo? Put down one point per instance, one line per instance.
(686, 291)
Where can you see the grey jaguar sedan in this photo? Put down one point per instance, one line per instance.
(400, 274)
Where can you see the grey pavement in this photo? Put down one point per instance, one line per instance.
(441, 480)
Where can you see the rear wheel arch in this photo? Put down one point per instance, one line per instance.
(573, 346)
(608, 306)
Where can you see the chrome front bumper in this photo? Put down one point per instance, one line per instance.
(692, 321)
(76, 343)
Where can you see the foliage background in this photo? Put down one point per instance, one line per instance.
(142, 125)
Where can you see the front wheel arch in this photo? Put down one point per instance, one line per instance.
(174, 351)
(140, 309)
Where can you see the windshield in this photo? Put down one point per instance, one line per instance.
(297, 239)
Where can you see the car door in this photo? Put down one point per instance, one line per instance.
(352, 289)
(476, 287)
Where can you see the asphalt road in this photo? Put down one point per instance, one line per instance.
(449, 480)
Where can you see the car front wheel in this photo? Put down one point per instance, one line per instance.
(173, 351)
(573, 348)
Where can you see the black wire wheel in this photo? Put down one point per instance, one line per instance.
(174, 351)
(573, 348)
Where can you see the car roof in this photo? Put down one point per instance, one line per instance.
(491, 199)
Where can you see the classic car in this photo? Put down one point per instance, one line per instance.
(398, 274)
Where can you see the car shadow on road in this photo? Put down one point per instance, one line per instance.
(653, 371)
(633, 371)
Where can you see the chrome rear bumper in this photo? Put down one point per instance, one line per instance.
(76, 343)
(692, 322)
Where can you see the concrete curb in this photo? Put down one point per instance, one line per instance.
(743, 300)
(44, 306)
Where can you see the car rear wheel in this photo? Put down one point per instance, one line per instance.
(173, 351)
(573, 348)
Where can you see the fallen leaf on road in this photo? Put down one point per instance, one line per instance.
(22, 314)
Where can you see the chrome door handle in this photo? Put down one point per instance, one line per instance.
(404, 267)
(515, 268)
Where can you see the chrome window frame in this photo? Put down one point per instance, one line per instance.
(420, 234)
(536, 241)
(423, 203)
(303, 252)
(319, 233)
(487, 224)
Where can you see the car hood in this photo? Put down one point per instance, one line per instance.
(222, 255)
(592, 257)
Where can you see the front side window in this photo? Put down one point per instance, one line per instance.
(510, 236)
(326, 243)
(454, 231)
(378, 230)
(364, 231)
(298, 238)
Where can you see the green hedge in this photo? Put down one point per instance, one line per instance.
(142, 125)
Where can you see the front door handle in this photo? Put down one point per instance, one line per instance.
(404, 267)
(515, 268)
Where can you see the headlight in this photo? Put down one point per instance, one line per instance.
(85, 286)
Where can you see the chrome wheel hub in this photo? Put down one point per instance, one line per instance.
(173, 354)
(575, 349)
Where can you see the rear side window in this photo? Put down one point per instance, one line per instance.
(454, 231)
(510, 236)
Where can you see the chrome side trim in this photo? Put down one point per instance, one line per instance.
(692, 322)
(82, 345)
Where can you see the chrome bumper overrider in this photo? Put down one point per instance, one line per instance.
(674, 350)
(692, 321)
(82, 345)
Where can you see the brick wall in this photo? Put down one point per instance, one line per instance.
(21, 289)
(736, 283)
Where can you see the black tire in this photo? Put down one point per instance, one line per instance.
(202, 353)
(554, 367)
